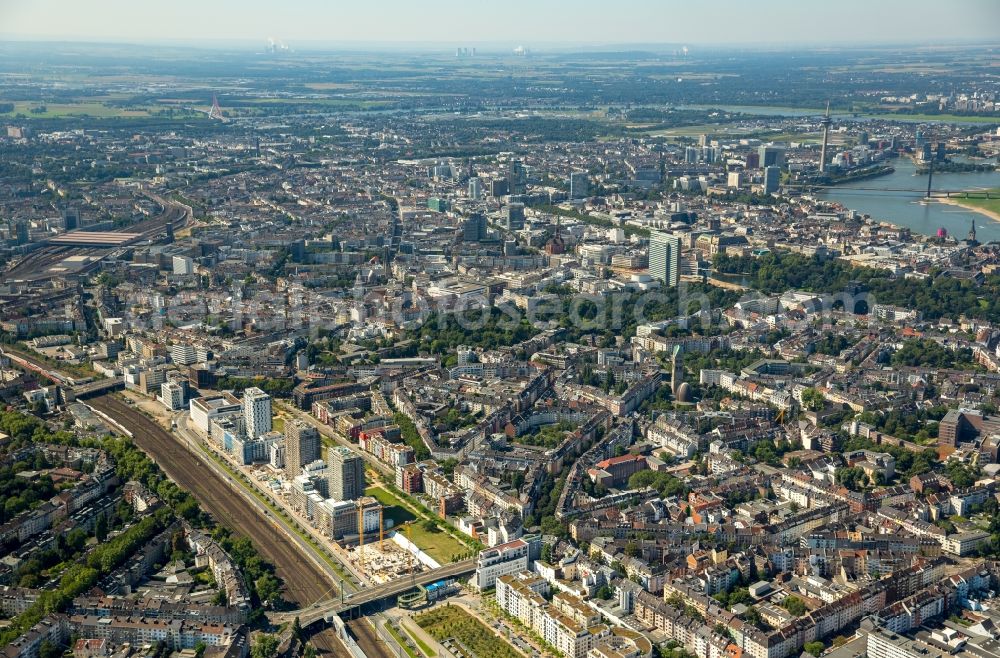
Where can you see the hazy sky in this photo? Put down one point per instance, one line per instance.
(534, 23)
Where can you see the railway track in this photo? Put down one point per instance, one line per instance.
(155, 224)
(33, 266)
(367, 639)
(304, 583)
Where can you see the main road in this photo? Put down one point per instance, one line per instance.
(376, 593)
(305, 582)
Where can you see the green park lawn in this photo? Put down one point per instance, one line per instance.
(445, 622)
(436, 543)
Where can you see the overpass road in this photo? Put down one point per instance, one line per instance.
(323, 609)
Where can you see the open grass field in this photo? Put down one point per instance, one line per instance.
(436, 543)
(991, 205)
(323, 102)
(794, 137)
(446, 622)
(393, 509)
(689, 131)
(90, 108)
(322, 86)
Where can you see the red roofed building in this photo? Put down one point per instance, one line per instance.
(701, 504)
(91, 648)
(614, 473)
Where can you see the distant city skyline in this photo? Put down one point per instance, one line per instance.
(538, 24)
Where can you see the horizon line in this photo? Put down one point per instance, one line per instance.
(492, 46)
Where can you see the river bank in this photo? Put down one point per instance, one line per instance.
(953, 201)
(898, 198)
(863, 174)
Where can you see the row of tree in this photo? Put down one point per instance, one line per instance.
(411, 436)
(81, 576)
(281, 388)
(130, 464)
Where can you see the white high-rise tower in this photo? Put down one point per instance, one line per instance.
(256, 412)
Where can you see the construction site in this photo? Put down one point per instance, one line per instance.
(384, 560)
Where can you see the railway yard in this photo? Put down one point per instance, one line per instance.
(54, 260)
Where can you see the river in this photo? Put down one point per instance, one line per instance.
(906, 209)
(795, 112)
(769, 110)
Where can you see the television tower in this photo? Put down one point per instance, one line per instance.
(825, 122)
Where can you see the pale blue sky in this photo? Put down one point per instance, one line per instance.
(534, 23)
